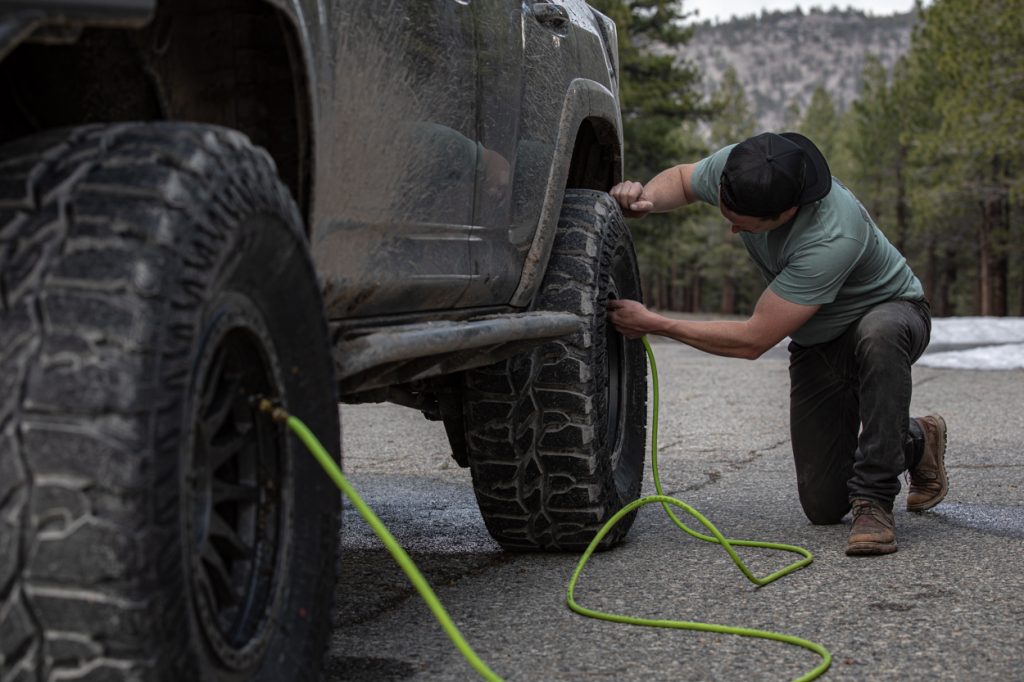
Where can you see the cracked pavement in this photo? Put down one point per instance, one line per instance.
(946, 606)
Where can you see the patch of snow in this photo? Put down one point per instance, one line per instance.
(1006, 356)
(1003, 338)
(963, 330)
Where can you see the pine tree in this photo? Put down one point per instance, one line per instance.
(658, 92)
(734, 120)
(659, 96)
(820, 122)
(792, 116)
(726, 261)
(870, 139)
(965, 78)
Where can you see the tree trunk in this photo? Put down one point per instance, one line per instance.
(999, 222)
(902, 214)
(931, 273)
(983, 298)
(1020, 303)
(728, 303)
(670, 288)
(1000, 285)
(1001, 267)
(944, 306)
(994, 231)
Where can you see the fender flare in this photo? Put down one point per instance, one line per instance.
(584, 99)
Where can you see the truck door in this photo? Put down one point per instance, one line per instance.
(523, 64)
(394, 189)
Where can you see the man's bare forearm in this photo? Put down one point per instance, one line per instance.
(731, 339)
(669, 189)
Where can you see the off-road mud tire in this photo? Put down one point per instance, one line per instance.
(556, 437)
(151, 275)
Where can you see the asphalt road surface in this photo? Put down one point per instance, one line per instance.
(949, 605)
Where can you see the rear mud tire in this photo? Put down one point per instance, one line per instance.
(556, 437)
(152, 526)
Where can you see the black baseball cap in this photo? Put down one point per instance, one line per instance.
(772, 172)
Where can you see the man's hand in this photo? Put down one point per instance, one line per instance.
(633, 319)
(669, 189)
(631, 197)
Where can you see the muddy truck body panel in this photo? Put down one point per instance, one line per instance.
(437, 183)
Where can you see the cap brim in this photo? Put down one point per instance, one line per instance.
(818, 178)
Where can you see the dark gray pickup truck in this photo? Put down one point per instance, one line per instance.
(316, 201)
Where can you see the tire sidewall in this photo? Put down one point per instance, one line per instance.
(620, 279)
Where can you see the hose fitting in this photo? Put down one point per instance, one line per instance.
(267, 406)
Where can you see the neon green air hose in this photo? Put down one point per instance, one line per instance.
(421, 585)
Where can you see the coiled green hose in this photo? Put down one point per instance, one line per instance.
(428, 595)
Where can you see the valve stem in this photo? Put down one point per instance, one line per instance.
(265, 405)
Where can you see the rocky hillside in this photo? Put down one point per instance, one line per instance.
(781, 57)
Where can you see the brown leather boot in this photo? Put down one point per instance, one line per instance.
(928, 480)
(873, 530)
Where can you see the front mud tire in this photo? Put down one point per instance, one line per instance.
(556, 436)
(152, 527)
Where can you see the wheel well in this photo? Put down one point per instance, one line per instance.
(596, 157)
(235, 63)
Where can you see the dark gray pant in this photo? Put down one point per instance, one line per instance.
(849, 410)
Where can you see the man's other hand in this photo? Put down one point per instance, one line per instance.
(631, 197)
(633, 319)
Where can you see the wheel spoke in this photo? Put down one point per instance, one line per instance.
(207, 589)
(223, 449)
(224, 491)
(215, 413)
(213, 381)
(220, 529)
(216, 570)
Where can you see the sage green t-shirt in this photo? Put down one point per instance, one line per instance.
(831, 254)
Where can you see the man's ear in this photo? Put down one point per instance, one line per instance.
(788, 214)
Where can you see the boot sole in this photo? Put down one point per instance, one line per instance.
(941, 456)
(869, 548)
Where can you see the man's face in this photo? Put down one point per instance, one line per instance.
(744, 223)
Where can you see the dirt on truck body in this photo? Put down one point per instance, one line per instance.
(316, 201)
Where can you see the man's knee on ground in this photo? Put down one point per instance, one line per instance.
(823, 514)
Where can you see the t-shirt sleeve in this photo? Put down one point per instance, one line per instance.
(707, 174)
(814, 275)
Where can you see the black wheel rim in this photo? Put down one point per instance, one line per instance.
(625, 440)
(615, 397)
(238, 499)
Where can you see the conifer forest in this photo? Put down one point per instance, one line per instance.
(931, 143)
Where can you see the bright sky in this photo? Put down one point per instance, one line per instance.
(722, 10)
